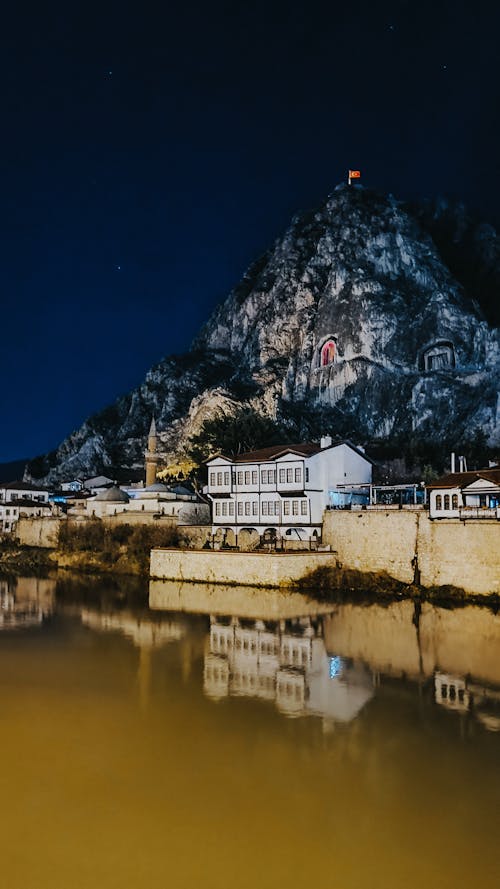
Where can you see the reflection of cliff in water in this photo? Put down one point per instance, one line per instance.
(25, 602)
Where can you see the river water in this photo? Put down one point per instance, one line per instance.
(209, 737)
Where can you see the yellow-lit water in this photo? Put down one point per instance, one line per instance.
(240, 740)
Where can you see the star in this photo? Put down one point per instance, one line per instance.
(118, 268)
(391, 28)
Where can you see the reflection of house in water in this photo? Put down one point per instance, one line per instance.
(141, 629)
(464, 696)
(286, 662)
(25, 602)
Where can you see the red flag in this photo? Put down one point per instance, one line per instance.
(354, 174)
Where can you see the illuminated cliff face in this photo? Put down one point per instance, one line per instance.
(354, 311)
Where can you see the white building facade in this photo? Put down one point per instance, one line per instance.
(463, 495)
(284, 489)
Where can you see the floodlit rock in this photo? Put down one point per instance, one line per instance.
(354, 317)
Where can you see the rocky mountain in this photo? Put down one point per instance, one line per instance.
(368, 317)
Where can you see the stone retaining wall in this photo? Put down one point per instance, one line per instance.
(250, 569)
(464, 554)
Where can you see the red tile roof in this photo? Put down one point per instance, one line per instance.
(463, 479)
(306, 449)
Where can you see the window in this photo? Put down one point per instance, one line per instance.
(247, 477)
(226, 478)
(264, 507)
(272, 476)
(295, 507)
(303, 507)
(439, 502)
(282, 476)
(219, 478)
(217, 509)
(454, 501)
(224, 508)
(255, 508)
(231, 508)
(233, 476)
(7, 512)
(286, 507)
(446, 501)
(263, 476)
(328, 353)
(298, 475)
(247, 507)
(289, 476)
(276, 508)
(307, 473)
(255, 477)
(240, 508)
(212, 478)
(240, 478)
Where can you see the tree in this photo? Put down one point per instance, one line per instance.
(232, 434)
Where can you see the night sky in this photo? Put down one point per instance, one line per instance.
(150, 152)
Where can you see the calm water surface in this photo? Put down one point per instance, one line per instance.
(230, 738)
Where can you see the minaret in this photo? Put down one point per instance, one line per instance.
(151, 455)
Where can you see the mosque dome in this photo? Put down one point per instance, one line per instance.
(156, 491)
(113, 495)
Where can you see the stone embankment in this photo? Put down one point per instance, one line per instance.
(412, 548)
(390, 551)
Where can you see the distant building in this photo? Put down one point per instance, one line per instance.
(19, 499)
(462, 495)
(152, 501)
(18, 490)
(282, 490)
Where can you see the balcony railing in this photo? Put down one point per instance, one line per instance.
(480, 512)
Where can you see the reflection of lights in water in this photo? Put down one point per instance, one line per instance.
(335, 667)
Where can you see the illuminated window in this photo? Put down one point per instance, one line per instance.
(439, 502)
(454, 501)
(328, 353)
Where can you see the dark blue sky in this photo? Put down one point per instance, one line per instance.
(151, 151)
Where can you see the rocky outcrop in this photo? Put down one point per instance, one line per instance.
(354, 321)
